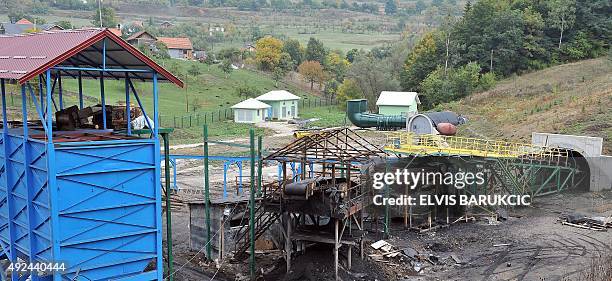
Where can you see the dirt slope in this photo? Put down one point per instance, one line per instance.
(573, 98)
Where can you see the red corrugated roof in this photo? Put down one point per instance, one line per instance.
(116, 31)
(23, 57)
(23, 21)
(182, 43)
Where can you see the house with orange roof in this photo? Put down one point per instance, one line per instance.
(178, 47)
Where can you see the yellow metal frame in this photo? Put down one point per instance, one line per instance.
(429, 144)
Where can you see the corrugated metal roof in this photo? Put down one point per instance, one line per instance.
(24, 21)
(251, 104)
(397, 98)
(138, 34)
(182, 43)
(277, 95)
(23, 57)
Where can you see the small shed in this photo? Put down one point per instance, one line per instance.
(250, 111)
(284, 104)
(397, 103)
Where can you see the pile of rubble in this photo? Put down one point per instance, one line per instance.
(586, 222)
(418, 261)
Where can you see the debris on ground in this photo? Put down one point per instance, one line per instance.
(586, 222)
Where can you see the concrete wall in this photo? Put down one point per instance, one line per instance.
(256, 115)
(276, 110)
(395, 110)
(600, 166)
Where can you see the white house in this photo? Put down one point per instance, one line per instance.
(397, 103)
(284, 104)
(250, 111)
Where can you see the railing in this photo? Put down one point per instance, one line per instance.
(196, 119)
(410, 143)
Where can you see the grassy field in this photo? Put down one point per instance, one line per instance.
(573, 98)
(208, 92)
(329, 116)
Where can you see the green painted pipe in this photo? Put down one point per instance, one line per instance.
(356, 111)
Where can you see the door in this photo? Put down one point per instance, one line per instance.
(293, 111)
(284, 112)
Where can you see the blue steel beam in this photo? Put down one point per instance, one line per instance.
(144, 113)
(103, 99)
(158, 207)
(12, 255)
(51, 178)
(127, 104)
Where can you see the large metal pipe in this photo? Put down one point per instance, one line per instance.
(358, 115)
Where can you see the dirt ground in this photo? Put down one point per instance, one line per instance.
(529, 245)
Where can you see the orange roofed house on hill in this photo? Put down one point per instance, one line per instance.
(178, 48)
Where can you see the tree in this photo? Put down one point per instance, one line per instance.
(438, 88)
(109, 18)
(372, 77)
(64, 24)
(247, 91)
(295, 50)
(315, 51)
(208, 60)
(194, 70)
(331, 89)
(390, 7)
(420, 62)
(284, 66)
(562, 14)
(348, 90)
(337, 65)
(226, 67)
(268, 54)
(351, 55)
(312, 71)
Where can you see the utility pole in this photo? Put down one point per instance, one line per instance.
(100, 12)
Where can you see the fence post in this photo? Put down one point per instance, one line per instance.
(198, 119)
(189, 120)
(182, 122)
(205, 118)
(174, 121)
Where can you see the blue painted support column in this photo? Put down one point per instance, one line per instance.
(144, 113)
(80, 79)
(293, 172)
(7, 167)
(40, 91)
(280, 171)
(103, 99)
(127, 104)
(225, 166)
(51, 180)
(240, 177)
(61, 90)
(311, 169)
(158, 207)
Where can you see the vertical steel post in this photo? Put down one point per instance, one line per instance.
(80, 80)
(207, 194)
(103, 99)
(52, 184)
(61, 90)
(128, 114)
(9, 189)
(102, 84)
(252, 204)
(259, 164)
(157, 184)
(168, 209)
(155, 107)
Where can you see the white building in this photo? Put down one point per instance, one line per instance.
(250, 111)
(284, 104)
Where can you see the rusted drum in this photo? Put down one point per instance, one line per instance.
(447, 129)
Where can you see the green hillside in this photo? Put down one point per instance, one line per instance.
(574, 98)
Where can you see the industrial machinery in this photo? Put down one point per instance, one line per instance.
(424, 123)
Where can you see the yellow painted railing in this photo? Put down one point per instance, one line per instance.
(410, 143)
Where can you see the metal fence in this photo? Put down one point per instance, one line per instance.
(197, 119)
